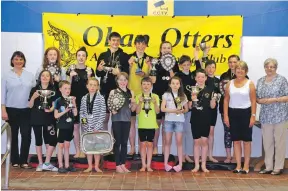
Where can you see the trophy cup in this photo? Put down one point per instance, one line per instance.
(138, 70)
(70, 103)
(70, 106)
(146, 106)
(45, 94)
(153, 71)
(195, 91)
(107, 70)
(203, 47)
(178, 104)
(216, 96)
(72, 68)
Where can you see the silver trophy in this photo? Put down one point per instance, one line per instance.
(73, 68)
(100, 142)
(216, 96)
(203, 47)
(107, 70)
(222, 86)
(153, 71)
(146, 106)
(53, 69)
(70, 102)
(168, 61)
(138, 70)
(194, 90)
(45, 94)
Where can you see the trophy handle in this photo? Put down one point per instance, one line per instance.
(189, 88)
(39, 92)
(53, 93)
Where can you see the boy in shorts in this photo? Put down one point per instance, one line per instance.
(147, 109)
(65, 125)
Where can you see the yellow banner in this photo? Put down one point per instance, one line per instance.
(160, 7)
(68, 32)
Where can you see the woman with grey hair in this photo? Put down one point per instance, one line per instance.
(272, 94)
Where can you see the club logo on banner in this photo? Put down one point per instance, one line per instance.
(160, 7)
(69, 32)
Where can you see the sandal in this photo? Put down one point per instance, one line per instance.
(25, 166)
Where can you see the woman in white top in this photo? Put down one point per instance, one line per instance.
(239, 114)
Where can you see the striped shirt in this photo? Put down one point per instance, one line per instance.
(99, 112)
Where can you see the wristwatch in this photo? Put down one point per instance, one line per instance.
(254, 115)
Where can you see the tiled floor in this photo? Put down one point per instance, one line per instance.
(158, 180)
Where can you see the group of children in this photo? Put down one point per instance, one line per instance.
(170, 104)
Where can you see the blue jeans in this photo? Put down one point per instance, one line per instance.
(173, 126)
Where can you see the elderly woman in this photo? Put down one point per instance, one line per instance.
(272, 94)
(16, 86)
(239, 114)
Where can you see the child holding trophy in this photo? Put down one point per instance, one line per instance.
(65, 112)
(166, 68)
(139, 67)
(121, 102)
(174, 105)
(109, 65)
(147, 108)
(51, 62)
(202, 102)
(92, 115)
(79, 75)
(41, 102)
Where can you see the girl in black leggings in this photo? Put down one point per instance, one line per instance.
(121, 122)
(42, 120)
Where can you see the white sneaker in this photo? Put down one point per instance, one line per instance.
(39, 168)
(49, 167)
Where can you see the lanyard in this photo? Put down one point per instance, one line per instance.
(90, 104)
(174, 99)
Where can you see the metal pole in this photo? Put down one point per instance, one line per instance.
(7, 127)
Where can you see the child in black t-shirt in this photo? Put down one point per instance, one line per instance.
(42, 119)
(213, 83)
(65, 122)
(78, 78)
(200, 119)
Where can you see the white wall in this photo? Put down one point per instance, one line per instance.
(254, 51)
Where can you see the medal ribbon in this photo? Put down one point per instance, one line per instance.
(90, 104)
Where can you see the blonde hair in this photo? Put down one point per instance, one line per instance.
(243, 65)
(93, 79)
(122, 74)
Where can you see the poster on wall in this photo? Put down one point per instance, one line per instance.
(68, 32)
(160, 7)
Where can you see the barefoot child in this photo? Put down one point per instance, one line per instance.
(200, 119)
(92, 114)
(174, 104)
(65, 122)
(147, 122)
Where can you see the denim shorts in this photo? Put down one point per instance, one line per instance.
(173, 126)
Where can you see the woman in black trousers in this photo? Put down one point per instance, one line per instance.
(16, 86)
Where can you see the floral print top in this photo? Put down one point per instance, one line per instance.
(276, 112)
